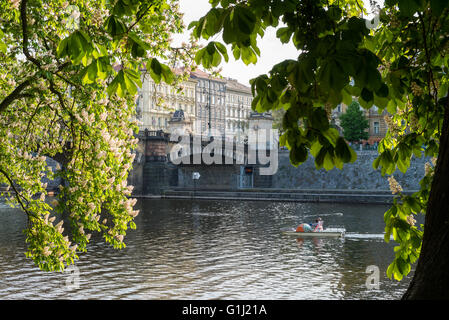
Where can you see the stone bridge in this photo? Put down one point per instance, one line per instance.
(221, 163)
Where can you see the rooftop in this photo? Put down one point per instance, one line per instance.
(204, 75)
(232, 84)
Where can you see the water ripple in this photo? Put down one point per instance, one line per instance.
(213, 250)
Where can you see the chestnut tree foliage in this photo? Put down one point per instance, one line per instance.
(70, 71)
(399, 64)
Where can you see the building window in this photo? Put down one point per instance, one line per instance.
(376, 127)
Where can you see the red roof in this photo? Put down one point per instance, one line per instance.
(201, 74)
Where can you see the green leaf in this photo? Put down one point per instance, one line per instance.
(138, 47)
(117, 85)
(315, 148)
(211, 55)
(319, 120)
(3, 47)
(328, 161)
(383, 91)
(334, 12)
(409, 7)
(167, 74)
(75, 48)
(331, 135)
(413, 204)
(91, 73)
(155, 69)
(390, 269)
(222, 49)
(130, 85)
(353, 155)
(376, 162)
(284, 34)
(114, 26)
(229, 34)
(298, 155)
(367, 95)
(78, 47)
(443, 89)
(332, 75)
(213, 22)
(245, 19)
(438, 6)
(403, 164)
(346, 95)
(248, 55)
(102, 67)
(62, 51)
(343, 151)
(387, 235)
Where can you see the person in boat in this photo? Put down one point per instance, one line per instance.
(318, 225)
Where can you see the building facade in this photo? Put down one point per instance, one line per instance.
(210, 103)
(377, 125)
(238, 108)
(156, 103)
(207, 103)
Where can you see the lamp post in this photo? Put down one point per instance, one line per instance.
(208, 106)
(238, 121)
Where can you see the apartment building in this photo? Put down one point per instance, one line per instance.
(238, 108)
(210, 103)
(207, 103)
(377, 126)
(157, 103)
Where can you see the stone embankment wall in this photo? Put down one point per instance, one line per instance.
(153, 174)
(359, 175)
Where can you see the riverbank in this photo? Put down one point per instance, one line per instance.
(271, 194)
(291, 195)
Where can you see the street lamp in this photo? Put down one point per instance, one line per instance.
(238, 122)
(208, 105)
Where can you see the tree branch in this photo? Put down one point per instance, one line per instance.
(23, 17)
(14, 95)
(17, 193)
(139, 18)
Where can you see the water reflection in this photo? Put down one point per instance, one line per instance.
(215, 250)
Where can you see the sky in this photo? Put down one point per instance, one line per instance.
(272, 51)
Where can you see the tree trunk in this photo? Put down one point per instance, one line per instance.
(431, 278)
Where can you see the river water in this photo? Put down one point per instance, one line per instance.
(215, 250)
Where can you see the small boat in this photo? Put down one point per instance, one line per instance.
(325, 233)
